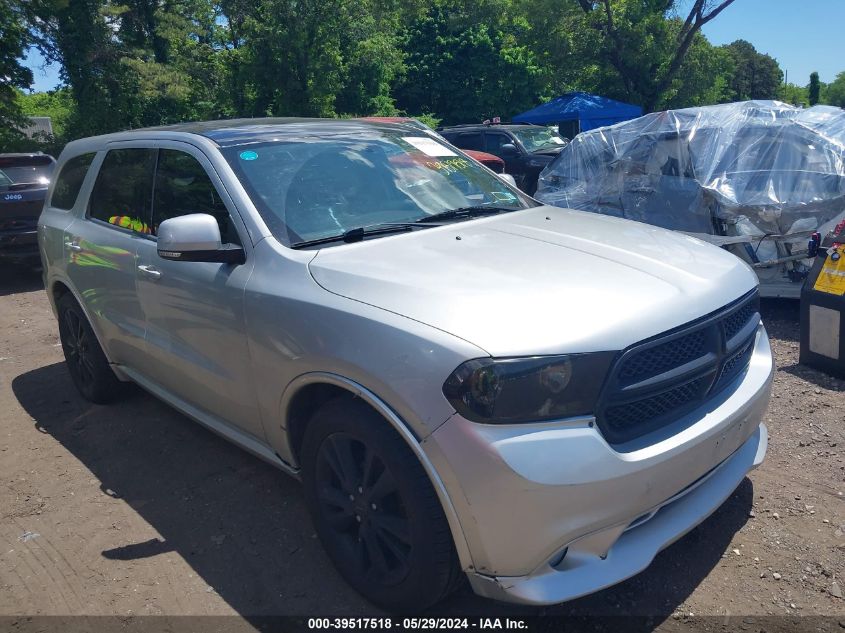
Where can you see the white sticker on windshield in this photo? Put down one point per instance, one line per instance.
(428, 146)
(557, 140)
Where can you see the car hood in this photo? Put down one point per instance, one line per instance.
(540, 281)
(551, 152)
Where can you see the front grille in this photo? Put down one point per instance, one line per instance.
(656, 382)
(735, 321)
(656, 360)
(735, 364)
(625, 416)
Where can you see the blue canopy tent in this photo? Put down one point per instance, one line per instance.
(590, 111)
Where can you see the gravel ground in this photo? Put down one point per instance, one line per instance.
(132, 509)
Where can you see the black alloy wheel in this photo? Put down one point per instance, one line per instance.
(87, 364)
(375, 510)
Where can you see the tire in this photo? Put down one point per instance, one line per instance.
(90, 371)
(375, 510)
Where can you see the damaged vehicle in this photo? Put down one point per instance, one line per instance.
(469, 384)
(757, 178)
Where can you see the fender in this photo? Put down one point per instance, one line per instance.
(405, 433)
(67, 284)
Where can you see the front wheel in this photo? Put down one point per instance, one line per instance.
(89, 369)
(375, 509)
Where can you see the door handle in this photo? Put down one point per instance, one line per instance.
(73, 246)
(149, 271)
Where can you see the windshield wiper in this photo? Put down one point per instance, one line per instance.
(465, 212)
(357, 234)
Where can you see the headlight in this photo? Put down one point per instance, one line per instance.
(512, 390)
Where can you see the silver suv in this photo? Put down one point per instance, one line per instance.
(467, 383)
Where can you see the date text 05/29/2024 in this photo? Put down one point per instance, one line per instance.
(412, 624)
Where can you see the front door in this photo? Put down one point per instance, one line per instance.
(195, 328)
(514, 163)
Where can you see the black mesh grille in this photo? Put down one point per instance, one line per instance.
(644, 412)
(735, 321)
(735, 364)
(658, 359)
(633, 405)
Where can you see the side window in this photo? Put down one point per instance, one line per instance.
(123, 191)
(495, 142)
(69, 181)
(469, 141)
(183, 187)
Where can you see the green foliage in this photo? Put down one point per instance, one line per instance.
(793, 95)
(756, 76)
(14, 39)
(466, 70)
(814, 89)
(132, 63)
(429, 119)
(835, 92)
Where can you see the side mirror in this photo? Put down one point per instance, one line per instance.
(508, 179)
(509, 149)
(196, 238)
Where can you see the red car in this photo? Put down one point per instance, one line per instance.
(488, 160)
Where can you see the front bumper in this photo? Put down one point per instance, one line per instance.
(588, 566)
(524, 494)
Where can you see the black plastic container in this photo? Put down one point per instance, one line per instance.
(823, 311)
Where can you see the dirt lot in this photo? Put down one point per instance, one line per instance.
(133, 509)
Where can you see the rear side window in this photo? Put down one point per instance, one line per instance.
(70, 180)
(469, 141)
(183, 187)
(123, 192)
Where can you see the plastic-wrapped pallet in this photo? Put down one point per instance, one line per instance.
(756, 177)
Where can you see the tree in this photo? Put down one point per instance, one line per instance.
(756, 76)
(814, 89)
(704, 78)
(466, 69)
(835, 93)
(794, 95)
(14, 39)
(643, 46)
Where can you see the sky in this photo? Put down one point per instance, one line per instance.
(804, 36)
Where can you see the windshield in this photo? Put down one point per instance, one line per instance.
(534, 138)
(25, 170)
(316, 187)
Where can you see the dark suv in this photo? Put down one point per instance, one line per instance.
(24, 179)
(526, 149)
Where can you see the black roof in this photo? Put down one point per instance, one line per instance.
(472, 127)
(227, 132)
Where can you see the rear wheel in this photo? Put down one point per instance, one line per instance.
(375, 509)
(89, 369)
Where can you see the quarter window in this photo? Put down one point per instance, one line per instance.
(122, 194)
(183, 187)
(70, 181)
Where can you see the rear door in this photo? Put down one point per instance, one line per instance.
(100, 250)
(195, 328)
